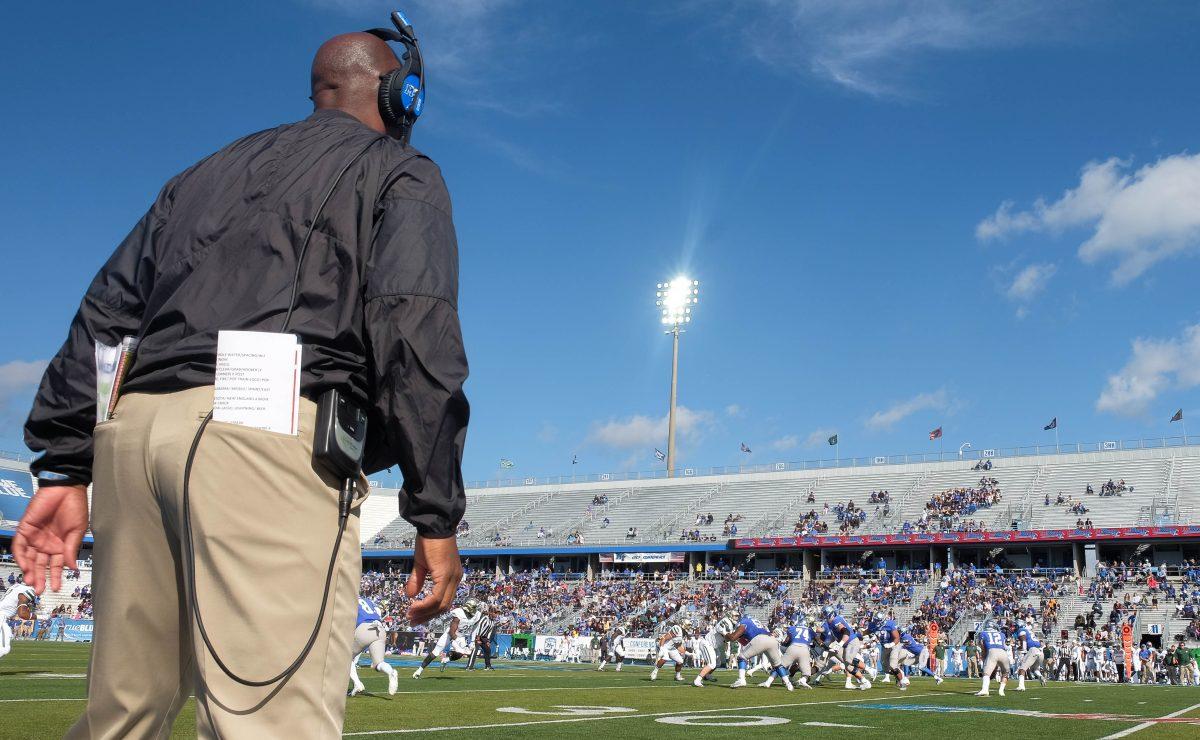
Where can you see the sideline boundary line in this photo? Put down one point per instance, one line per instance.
(568, 720)
(1145, 725)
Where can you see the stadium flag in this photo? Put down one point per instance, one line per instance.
(935, 434)
(745, 448)
(1179, 418)
(658, 455)
(833, 441)
(506, 464)
(1052, 425)
(574, 459)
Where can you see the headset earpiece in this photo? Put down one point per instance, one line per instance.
(402, 91)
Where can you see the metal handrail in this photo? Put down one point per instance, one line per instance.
(999, 453)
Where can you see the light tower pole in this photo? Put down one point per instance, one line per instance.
(676, 299)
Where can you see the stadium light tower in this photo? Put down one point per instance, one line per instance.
(676, 298)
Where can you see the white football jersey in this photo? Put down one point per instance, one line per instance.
(676, 634)
(8, 604)
(715, 636)
(466, 624)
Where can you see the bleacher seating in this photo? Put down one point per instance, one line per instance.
(1165, 483)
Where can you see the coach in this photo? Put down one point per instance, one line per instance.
(375, 309)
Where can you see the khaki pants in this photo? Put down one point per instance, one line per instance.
(264, 522)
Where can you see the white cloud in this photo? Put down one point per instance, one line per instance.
(548, 433)
(819, 437)
(1156, 365)
(644, 431)
(20, 376)
(869, 46)
(1027, 284)
(18, 383)
(735, 410)
(1030, 281)
(458, 36)
(1137, 219)
(785, 443)
(887, 418)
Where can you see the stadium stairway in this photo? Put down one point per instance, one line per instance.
(1148, 479)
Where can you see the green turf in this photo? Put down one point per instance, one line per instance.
(40, 698)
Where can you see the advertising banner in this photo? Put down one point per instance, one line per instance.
(77, 630)
(632, 558)
(949, 538)
(640, 648)
(16, 488)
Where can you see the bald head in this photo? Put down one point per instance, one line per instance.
(346, 72)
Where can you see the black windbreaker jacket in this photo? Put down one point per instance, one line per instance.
(377, 307)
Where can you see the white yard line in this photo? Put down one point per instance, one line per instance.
(6, 701)
(835, 724)
(626, 716)
(1144, 725)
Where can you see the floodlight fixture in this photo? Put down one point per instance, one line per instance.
(675, 299)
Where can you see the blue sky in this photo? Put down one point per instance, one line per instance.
(904, 215)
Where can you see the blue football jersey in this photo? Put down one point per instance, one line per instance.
(911, 644)
(1025, 637)
(752, 628)
(367, 612)
(800, 634)
(883, 630)
(840, 627)
(993, 639)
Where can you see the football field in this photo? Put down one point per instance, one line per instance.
(42, 691)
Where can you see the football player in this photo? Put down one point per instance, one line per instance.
(908, 650)
(1034, 657)
(846, 646)
(453, 643)
(672, 646)
(797, 654)
(997, 659)
(882, 627)
(19, 601)
(755, 641)
(824, 660)
(612, 647)
(710, 646)
(371, 636)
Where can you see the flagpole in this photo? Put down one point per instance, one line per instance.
(837, 453)
(1056, 449)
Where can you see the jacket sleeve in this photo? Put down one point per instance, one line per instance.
(418, 364)
(64, 410)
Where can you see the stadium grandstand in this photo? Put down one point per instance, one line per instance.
(1066, 539)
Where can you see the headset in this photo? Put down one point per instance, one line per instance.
(341, 427)
(402, 91)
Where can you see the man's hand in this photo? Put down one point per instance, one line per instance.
(50, 533)
(437, 560)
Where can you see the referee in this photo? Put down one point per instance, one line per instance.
(375, 308)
